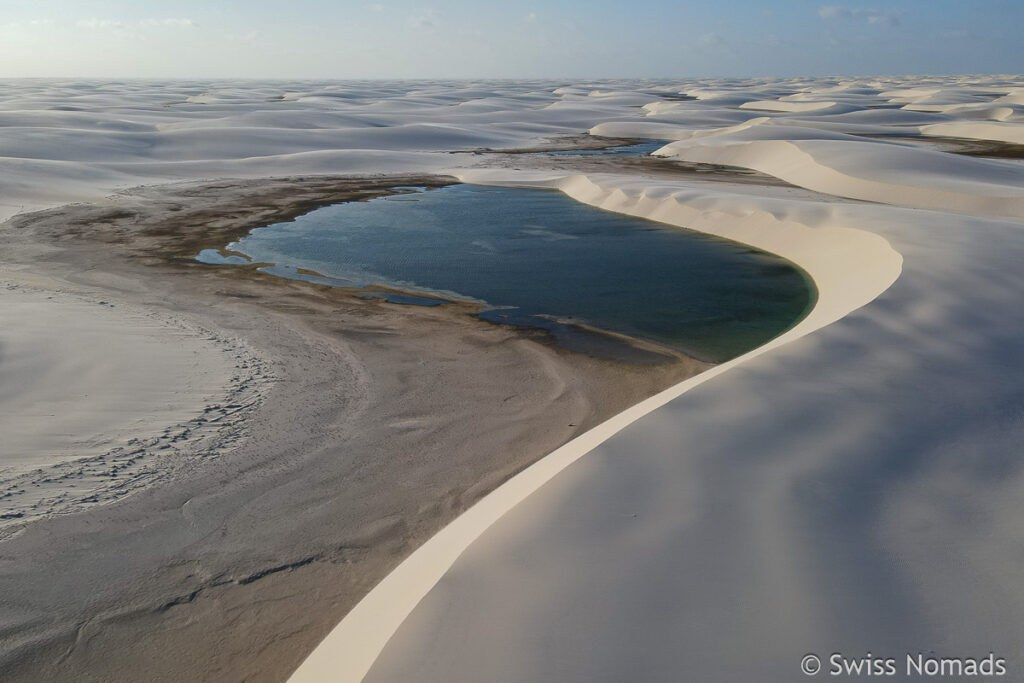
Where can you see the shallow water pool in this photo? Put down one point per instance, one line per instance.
(534, 256)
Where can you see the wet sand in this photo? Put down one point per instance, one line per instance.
(376, 425)
(534, 158)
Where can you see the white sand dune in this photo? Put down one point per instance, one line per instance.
(791, 106)
(834, 493)
(877, 171)
(888, 173)
(853, 507)
(100, 137)
(851, 486)
(1001, 132)
(850, 268)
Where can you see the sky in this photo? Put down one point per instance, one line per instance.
(489, 39)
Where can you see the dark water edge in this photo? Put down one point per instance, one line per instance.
(641, 148)
(538, 259)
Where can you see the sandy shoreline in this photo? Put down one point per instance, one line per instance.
(382, 424)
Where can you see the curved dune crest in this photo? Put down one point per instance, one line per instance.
(849, 267)
(879, 172)
(539, 548)
(788, 106)
(1000, 132)
(668, 131)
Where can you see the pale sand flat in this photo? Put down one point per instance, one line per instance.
(80, 377)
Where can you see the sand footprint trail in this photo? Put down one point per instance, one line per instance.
(93, 392)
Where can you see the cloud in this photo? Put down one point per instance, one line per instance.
(95, 23)
(377, 7)
(886, 19)
(425, 19)
(179, 23)
(99, 24)
(31, 23)
(878, 17)
(250, 37)
(834, 11)
(532, 16)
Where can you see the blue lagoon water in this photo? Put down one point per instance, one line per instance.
(536, 256)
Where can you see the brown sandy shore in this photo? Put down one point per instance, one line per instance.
(383, 422)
